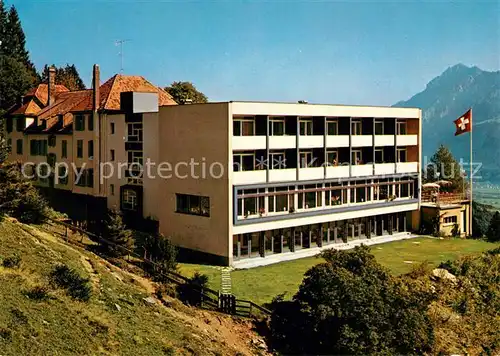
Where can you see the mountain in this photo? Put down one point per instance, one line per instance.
(448, 96)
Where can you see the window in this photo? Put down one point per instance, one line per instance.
(306, 127)
(64, 149)
(9, 124)
(382, 190)
(306, 159)
(79, 148)
(356, 157)
(135, 157)
(402, 155)
(277, 160)
(52, 141)
(91, 122)
(112, 155)
(112, 189)
(379, 127)
(20, 124)
(243, 127)
(90, 149)
(401, 128)
(243, 162)
(335, 196)
(51, 159)
(309, 198)
(356, 127)
(250, 204)
(38, 147)
(379, 155)
(79, 122)
(450, 219)
(43, 174)
(279, 201)
(276, 127)
(86, 178)
(134, 133)
(112, 128)
(129, 200)
(19, 147)
(193, 204)
(63, 175)
(332, 157)
(332, 127)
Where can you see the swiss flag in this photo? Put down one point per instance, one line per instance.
(464, 123)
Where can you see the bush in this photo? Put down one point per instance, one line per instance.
(119, 237)
(493, 234)
(190, 292)
(162, 253)
(13, 261)
(38, 293)
(166, 289)
(77, 287)
(19, 198)
(455, 231)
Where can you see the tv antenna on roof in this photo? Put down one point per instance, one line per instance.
(120, 43)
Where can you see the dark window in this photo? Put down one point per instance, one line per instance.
(51, 159)
(79, 148)
(9, 124)
(450, 219)
(64, 147)
(38, 147)
(333, 128)
(193, 204)
(86, 179)
(379, 156)
(112, 153)
(44, 147)
(63, 175)
(19, 147)
(129, 199)
(112, 128)
(52, 141)
(91, 122)
(91, 149)
(20, 124)
(33, 147)
(79, 122)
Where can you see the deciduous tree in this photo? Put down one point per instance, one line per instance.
(443, 166)
(182, 91)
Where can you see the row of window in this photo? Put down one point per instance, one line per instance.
(290, 198)
(80, 120)
(193, 204)
(90, 149)
(20, 124)
(250, 161)
(277, 127)
(450, 219)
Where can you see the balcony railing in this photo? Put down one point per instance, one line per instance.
(444, 198)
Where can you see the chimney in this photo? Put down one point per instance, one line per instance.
(51, 85)
(96, 83)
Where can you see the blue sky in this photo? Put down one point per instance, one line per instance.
(367, 52)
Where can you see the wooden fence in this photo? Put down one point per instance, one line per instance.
(205, 297)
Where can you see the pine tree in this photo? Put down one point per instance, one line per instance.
(444, 166)
(16, 79)
(67, 76)
(116, 232)
(493, 234)
(15, 40)
(3, 22)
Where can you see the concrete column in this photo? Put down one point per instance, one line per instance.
(352, 231)
(310, 238)
(249, 247)
(262, 244)
(272, 243)
(335, 234)
(292, 240)
(239, 246)
(328, 235)
(281, 242)
(404, 223)
(319, 240)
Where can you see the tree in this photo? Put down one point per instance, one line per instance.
(444, 166)
(493, 234)
(481, 217)
(16, 80)
(67, 76)
(352, 305)
(160, 250)
(119, 237)
(182, 91)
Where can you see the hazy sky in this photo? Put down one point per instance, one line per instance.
(329, 52)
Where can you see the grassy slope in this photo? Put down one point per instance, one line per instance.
(261, 284)
(63, 326)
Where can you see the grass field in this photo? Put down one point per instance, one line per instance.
(261, 284)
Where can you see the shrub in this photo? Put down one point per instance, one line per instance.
(13, 261)
(190, 292)
(77, 287)
(455, 231)
(166, 289)
(160, 250)
(38, 293)
(119, 237)
(493, 234)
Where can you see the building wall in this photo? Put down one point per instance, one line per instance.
(85, 161)
(201, 133)
(429, 212)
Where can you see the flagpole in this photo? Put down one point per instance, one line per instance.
(470, 177)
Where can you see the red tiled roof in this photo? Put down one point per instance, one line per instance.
(65, 103)
(29, 108)
(42, 92)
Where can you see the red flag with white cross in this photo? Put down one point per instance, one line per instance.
(464, 123)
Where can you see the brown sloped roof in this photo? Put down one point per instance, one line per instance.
(65, 103)
(30, 108)
(42, 92)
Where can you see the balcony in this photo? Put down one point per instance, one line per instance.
(249, 177)
(407, 140)
(311, 173)
(311, 141)
(282, 175)
(249, 142)
(362, 140)
(385, 168)
(281, 142)
(407, 167)
(337, 141)
(362, 170)
(384, 140)
(337, 172)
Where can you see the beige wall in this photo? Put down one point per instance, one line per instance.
(185, 132)
(429, 212)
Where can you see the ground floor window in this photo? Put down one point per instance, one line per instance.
(129, 200)
(193, 204)
(450, 219)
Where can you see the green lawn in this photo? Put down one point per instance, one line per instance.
(261, 284)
